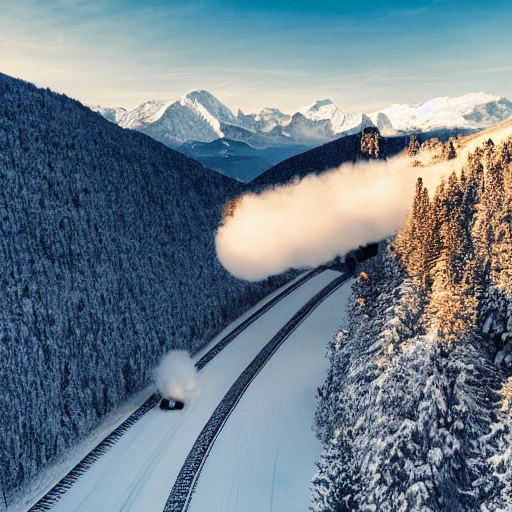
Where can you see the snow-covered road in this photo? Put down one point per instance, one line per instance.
(263, 459)
(139, 471)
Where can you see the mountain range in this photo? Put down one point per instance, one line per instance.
(199, 116)
(256, 142)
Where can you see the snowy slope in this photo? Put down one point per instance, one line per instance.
(474, 111)
(144, 114)
(139, 471)
(209, 105)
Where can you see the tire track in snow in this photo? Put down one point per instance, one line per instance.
(291, 406)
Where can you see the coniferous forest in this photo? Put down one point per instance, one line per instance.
(107, 261)
(416, 411)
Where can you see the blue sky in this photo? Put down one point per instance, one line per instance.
(363, 55)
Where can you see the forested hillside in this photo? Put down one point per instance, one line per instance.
(107, 261)
(365, 145)
(416, 411)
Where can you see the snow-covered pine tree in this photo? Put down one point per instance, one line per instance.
(410, 419)
(410, 243)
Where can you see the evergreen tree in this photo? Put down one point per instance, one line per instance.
(370, 142)
(449, 152)
(414, 146)
(411, 406)
(411, 241)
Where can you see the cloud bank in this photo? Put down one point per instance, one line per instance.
(320, 217)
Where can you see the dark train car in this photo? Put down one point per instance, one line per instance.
(359, 255)
(169, 404)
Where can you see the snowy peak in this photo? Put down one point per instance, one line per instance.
(340, 123)
(207, 102)
(324, 110)
(113, 114)
(473, 111)
(266, 121)
(273, 115)
(144, 114)
(197, 115)
(275, 112)
(321, 109)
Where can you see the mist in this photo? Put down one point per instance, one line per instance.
(311, 221)
(175, 375)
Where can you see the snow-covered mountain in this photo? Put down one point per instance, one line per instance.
(199, 116)
(112, 114)
(265, 121)
(326, 110)
(472, 112)
(316, 124)
(196, 116)
(322, 121)
(145, 114)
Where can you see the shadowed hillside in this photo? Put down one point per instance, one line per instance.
(107, 261)
(362, 146)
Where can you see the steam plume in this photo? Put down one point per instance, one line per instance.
(175, 375)
(320, 217)
(313, 220)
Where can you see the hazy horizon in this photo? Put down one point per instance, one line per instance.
(257, 54)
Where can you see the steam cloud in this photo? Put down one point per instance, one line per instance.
(175, 375)
(320, 217)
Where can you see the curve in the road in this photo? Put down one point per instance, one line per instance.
(184, 486)
(58, 490)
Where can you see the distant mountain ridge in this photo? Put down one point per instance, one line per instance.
(237, 159)
(365, 145)
(201, 117)
(472, 112)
